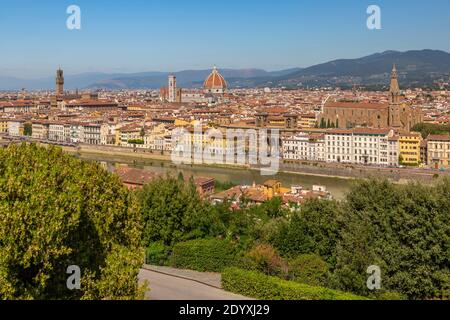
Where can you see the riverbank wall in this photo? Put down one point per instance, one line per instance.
(345, 171)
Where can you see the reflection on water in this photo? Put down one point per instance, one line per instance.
(336, 186)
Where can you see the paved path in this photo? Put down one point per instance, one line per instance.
(166, 287)
(213, 279)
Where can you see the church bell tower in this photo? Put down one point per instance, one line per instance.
(59, 82)
(394, 100)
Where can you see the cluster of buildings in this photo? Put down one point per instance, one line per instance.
(320, 125)
(259, 193)
(255, 194)
(368, 146)
(214, 90)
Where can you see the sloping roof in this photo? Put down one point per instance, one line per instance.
(356, 105)
(439, 137)
(135, 176)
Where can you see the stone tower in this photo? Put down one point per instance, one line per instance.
(172, 88)
(59, 82)
(394, 100)
(395, 89)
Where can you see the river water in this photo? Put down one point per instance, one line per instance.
(338, 187)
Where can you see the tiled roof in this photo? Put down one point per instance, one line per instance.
(439, 137)
(135, 176)
(356, 105)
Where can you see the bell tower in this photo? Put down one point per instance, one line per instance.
(59, 82)
(394, 100)
(395, 89)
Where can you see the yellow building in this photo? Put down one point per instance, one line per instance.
(117, 137)
(409, 145)
(276, 121)
(3, 125)
(272, 188)
(308, 120)
(183, 123)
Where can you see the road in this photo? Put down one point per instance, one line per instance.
(165, 287)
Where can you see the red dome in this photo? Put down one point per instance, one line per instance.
(215, 81)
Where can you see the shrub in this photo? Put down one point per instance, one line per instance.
(204, 255)
(309, 269)
(157, 253)
(136, 141)
(57, 211)
(265, 258)
(260, 286)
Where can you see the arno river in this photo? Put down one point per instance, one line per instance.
(336, 186)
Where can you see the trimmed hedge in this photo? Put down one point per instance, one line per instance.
(258, 285)
(204, 255)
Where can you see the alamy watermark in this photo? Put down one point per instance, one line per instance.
(73, 22)
(228, 147)
(374, 280)
(74, 280)
(374, 20)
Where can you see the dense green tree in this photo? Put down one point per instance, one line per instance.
(405, 230)
(270, 209)
(27, 129)
(57, 211)
(312, 230)
(323, 124)
(173, 211)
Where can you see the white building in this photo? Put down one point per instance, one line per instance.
(75, 132)
(15, 128)
(339, 146)
(39, 130)
(393, 151)
(304, 146)
(57, 132)
(360, 146)
(90, 133)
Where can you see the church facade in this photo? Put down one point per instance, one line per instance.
(394, 114)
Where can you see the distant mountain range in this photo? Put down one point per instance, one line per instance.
(416, 68)
(186, 79)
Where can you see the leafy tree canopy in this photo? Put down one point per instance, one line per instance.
(405, 230)
(57, 211)
(173, 211)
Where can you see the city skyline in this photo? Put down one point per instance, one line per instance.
(120, 38)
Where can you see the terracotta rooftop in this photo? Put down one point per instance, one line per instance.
(135, 176)
(439, 137)
(356, 105)
(215, 81)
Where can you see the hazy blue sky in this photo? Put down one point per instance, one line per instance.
(148, 35)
